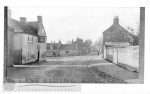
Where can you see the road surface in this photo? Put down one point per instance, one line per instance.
(73, 69)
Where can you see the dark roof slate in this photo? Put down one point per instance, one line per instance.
(116, 28)
(57, 46)
(68, 47)
(28, 28)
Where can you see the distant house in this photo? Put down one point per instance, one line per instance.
(53, 49)
(29, 40)
(68, 49)
(59, 49)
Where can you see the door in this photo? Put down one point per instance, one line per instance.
(38, 58)
(17, 55)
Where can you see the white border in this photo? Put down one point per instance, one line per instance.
(88, 88)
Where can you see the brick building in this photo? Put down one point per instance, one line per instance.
(119, 48)
(117, 33)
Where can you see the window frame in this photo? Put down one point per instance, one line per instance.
(30, 39)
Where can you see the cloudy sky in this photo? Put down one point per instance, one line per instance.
(66, 24)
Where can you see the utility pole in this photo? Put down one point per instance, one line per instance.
(5, 42)
(141, 43)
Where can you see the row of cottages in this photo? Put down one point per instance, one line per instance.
(59, 49)
(27, 40)
(118, 46)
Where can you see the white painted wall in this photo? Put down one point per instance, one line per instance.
(18, 44)
(29, 46)
(42, 51)
(127, 56)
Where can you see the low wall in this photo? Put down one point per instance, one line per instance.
(127, 57)
(109, 54)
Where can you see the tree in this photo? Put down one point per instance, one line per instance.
(88, 44)
(135, 36)
(98, 44)
(81, 46)
(69, 42)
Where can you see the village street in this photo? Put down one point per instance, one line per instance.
(73, 69)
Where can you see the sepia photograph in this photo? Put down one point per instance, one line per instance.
(74, 45)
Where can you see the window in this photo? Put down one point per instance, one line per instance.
(41, 39)
(28, 54)
(30, 38)
(67, 52)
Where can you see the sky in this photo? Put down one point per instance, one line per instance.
(67, 23)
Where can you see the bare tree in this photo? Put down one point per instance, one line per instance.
(88, 44)
(97, 47)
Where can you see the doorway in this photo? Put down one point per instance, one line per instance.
(38, 58)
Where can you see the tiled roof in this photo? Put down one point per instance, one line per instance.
(116, 33)
(116, 28)
(57, 46)
(28, 28)
(68, 47)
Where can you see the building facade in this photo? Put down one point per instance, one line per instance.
(119, 48)
(29, 40)
(116, 34)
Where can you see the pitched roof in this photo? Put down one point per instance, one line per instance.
(117, 33)
(27, 28)
(54, 46)
(116, 28)
(57, 46)
(68, 47)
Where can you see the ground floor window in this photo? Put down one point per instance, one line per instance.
(67, 52)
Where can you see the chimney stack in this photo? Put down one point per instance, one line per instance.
(39, 19)
(23, 20)
(116, 20)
